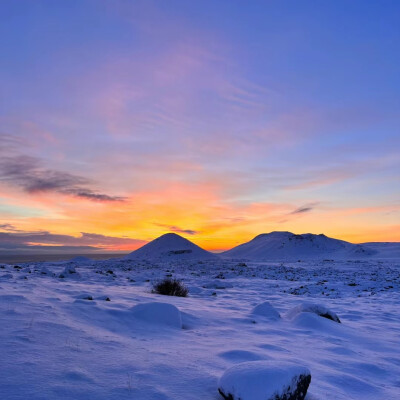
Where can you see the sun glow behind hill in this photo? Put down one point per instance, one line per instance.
(198, 213)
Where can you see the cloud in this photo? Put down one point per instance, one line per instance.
(11, 248)
(301, 210)
(176, 229)
(27, 173)
(18, 239)
(304, 209)
(8, 227)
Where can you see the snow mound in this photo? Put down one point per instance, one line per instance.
(310, 322)
(288, 246)
(262, 380)
(158, 313)
(266, 310)
(68, 271)
(45, 271)
(317, 309)
(170, 247)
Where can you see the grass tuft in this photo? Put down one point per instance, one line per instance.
(170, 287)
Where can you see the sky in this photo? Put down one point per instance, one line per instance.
(121, 120)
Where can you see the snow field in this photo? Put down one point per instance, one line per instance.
(61, 338)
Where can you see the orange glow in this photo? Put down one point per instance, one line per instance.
(217, 224)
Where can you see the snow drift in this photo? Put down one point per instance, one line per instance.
(261, 380)
(317, 309)
(158, 313)
(266, 310)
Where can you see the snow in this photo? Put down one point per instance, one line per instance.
(261, 380)
(384, 250)
(68, 271)
(45, 271)
(158, 313)
(170, 246)
(265, 309)
(317, 309)
(290, 247)
(56, 343)
(81, 259)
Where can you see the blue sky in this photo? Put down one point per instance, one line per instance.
(219, 118)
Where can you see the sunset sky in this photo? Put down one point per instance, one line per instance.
(121, 120)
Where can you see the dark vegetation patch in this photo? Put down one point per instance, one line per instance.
(173, 252)
(170, 287)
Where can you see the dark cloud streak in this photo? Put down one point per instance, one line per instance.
(28, 174)
(303, 209)
(86, 239)
(177, 229)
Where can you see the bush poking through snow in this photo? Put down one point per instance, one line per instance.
(170, 287)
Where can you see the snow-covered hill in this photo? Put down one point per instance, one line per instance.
(289, 246)
(169, 247)
(384, 249)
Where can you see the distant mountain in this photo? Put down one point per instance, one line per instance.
(80, 259)
(170, 247)
(289, 246)
(384, 249)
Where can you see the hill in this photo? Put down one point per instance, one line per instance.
(390, 250)
(289, 246)
(170, 247)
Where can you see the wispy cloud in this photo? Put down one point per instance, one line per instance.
(13, 248)
(19, 239)
(31, 176)
(8, 228)
(303, 209)
(177, 229)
